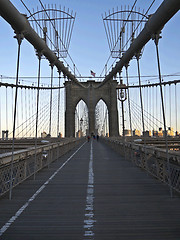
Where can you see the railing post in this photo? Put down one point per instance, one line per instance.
(50, 116)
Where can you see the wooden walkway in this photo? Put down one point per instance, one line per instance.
(93, 194)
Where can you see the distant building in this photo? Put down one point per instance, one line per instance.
(136, 132)
(147, 134)
(160, 132)
(127, 132)
(170, 132)
(155, 133)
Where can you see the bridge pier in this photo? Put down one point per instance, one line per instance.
(113, 111)
(69, 112)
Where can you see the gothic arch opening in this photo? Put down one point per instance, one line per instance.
(102, 119)
(90, 94)
(81, 119)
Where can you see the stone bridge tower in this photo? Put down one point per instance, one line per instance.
(91, 92)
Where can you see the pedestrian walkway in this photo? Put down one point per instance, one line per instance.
(91, 193)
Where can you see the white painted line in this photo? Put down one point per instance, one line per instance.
(18, 213)
(89, 210)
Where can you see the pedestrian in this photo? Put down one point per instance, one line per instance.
(97, 137)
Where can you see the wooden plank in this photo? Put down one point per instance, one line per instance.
(128, 204)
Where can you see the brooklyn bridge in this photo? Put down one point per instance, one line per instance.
(86, 154)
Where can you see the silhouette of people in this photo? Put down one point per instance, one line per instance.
(97, 137)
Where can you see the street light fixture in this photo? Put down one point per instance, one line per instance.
(122, 96)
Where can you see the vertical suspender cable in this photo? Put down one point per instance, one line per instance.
(156, 40)
(160, 110)
(140, 92)
(102, 107)
(129, 104)
(141, 101)
(156, 108)
(17, 119)
(12, 103)
(26, 110)
(50, 116)
(6, 111)
(35, 101)
(176, 107)
(123, 124)
(22, 110)
(32, 112)
(37, 114)
(58, 103)
(0, 109)
(150, 106)
(170, 123)
(147, 105)
(19, 39)
(63, 98)
(129, 108)
(29, 114)
(165, 105)
(153, 106)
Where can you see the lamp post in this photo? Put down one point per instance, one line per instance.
(122, 96)
(81, 123)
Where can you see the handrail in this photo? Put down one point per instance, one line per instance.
(24, 164)
(151, 159)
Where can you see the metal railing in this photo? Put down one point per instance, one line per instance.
(151, 159)
(25, 164)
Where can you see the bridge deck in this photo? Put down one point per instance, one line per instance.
(95, 195)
